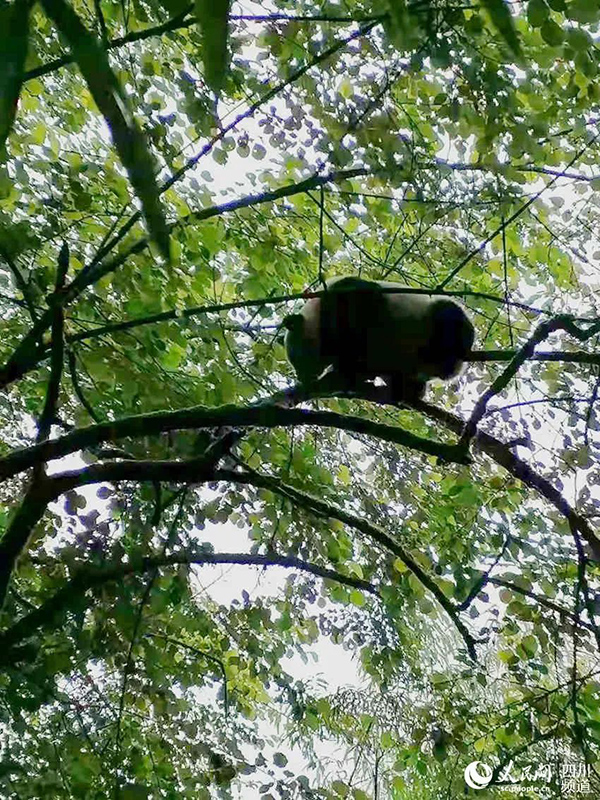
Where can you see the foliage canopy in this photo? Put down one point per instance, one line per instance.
(172, 178)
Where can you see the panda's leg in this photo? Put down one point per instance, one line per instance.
(403, 388)
(350, 311)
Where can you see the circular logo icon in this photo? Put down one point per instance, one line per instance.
(477, 775)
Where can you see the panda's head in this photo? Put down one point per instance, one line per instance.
(302, 351)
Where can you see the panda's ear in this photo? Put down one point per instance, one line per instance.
(293, 322)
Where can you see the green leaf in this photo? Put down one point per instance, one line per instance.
(213, 20)
(340, 788)
(583, 11)
(386, 740)
(344, 474)
(579, 39)
(530, 644)
(552, 33)
(400, 566)
(13, 46)
(537, 13)
(112, 103)
(134, 791)
(502, 18)
(173, 356)
(357, 598)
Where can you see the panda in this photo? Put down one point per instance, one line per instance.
(356, 332)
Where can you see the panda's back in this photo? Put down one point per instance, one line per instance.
(387, 334)
(394, 341)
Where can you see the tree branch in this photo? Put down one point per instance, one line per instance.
(249, 112)
(183, 20)
(91, 579)
(58, 347)
(265, 415)
(564, 613)
(31, 348)
(504, 456)
(26, 517)
(371, 530)
(203, 654)
(193, 471)
(89, 276)
(514, 216)
(20, 282)
(567, 356)
(543, 330)
(178, 21)
(28, 352)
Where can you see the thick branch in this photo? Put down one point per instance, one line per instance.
(91, 579)
(265, 416)
(26, 517)
(192, 471)
(57, 349)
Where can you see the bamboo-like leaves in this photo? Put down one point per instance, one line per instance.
(503, 21)
(14, 32)
(112, 103)
(213, 19)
